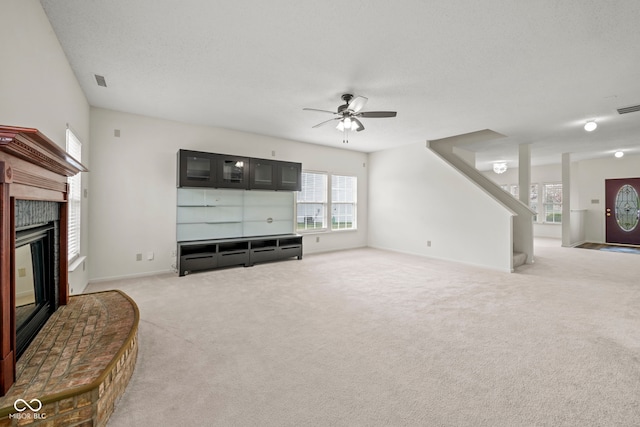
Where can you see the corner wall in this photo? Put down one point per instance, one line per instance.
(39, 90)
(417, 197)
(133, 203)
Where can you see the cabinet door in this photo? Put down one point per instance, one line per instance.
(233, 172)
(289, 176)
(263, 174)
(196, 169)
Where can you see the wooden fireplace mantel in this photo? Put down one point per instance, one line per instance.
(32, 167)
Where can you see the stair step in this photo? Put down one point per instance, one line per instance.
(519, 259)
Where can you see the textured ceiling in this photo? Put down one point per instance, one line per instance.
(533, 71)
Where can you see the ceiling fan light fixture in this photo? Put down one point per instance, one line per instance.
(499, 167)
(590, 126)
(349, 115)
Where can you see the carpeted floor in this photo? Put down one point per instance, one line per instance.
(373, 338)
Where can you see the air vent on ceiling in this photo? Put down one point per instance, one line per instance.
(631, 109)
(100, 80)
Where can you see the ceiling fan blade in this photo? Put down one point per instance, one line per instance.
(325, 122)
(360, 125)
(357, 103)
(377, 114)
(322, 111)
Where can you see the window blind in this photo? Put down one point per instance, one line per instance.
(74, 148)
(311, 204)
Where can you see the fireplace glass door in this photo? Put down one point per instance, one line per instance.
(34, 279)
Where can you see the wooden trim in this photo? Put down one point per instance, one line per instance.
(7, 312)
(25, 192)
(29, 144)
(12, 272)
(34, 180)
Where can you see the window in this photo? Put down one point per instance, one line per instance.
(311, 206)
(313, 200)
(74, 148)
(533, 200)
(553, 203)
(515, 191)
(343, 202)
(552, 194)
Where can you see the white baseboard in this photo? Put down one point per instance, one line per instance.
(130, 276)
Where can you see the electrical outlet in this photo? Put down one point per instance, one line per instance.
(138, 257)
(273, 153)
(429, 243)
(317, 239)
(150, 256)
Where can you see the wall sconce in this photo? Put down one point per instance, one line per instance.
(500, 167)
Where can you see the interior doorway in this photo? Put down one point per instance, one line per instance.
(622, 214)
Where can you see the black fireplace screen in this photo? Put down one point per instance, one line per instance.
(37, 255)
(35, 280)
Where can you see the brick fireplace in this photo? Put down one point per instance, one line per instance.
(33, 172)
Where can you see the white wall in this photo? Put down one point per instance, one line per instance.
(416, 197)
(39, 90)
(133, 187)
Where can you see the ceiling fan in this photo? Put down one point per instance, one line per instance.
(348, 115)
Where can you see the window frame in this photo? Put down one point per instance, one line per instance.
(539, 202)
(535, 205)
(328, 204)
(74, 199)
(553, 212)
(324, 203)
(353, 202)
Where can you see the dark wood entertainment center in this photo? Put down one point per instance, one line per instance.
(210, 254)
(216, 229)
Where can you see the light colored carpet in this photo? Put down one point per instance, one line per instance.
(373, 338)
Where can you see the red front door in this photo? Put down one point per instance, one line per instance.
(622, 210)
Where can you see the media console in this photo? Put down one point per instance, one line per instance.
(210, 254)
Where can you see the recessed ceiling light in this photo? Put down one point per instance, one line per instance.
(590, 126)
(619, 154)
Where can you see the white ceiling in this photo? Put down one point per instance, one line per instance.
(534, 71)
